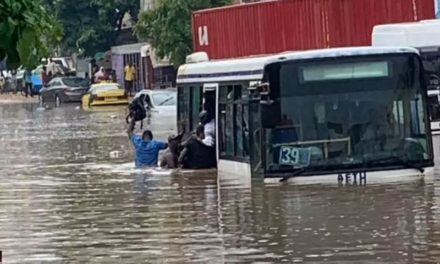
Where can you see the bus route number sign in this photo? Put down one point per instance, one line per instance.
(294, 156)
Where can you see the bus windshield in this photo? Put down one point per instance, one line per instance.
(356, 112)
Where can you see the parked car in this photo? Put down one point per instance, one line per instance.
(64, 89)
(105, 93)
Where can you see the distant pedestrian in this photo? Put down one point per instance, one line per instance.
(27, 78)
(113, 76)
(100, 75)
(2, 83)
(13, 85)
(129, 77)
(45, 78)
(53, 67)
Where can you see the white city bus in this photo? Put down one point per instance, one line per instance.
(348, 115)
(425, 37)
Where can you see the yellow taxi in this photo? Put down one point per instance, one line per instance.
(105, 93)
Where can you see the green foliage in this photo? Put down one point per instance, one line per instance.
(91, 25)
(168, 26)
(27, 32)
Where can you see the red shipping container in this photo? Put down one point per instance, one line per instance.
(275, 26)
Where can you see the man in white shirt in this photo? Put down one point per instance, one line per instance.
(52, 67)
(209, 124)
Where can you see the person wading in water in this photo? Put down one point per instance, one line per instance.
(147, 149)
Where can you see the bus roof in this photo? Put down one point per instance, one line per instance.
(251, 68)
(416, 34)
(340, 52)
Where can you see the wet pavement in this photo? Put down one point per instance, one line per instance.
(69, 194)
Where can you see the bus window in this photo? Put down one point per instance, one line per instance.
(434, 107)
(196, 106)
(189, 107)
(431, 66)
(183, 115)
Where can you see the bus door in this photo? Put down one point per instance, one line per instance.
(431, 64)
(255, 135)
(209, 104)
(210, 98)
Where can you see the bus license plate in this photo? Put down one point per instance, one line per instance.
(294, 156)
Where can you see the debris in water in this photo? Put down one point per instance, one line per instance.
(114, 154)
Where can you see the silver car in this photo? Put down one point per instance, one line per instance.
(64, 89)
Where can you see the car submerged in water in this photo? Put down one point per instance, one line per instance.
(163, 101)
(105, 93)
(64, 89)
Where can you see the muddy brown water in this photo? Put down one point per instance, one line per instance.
(69, 194)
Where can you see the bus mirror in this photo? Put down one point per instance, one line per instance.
(270, 115)
(261, 88)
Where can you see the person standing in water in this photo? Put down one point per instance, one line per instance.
(146, 148)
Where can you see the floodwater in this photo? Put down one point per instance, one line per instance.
(69, 194)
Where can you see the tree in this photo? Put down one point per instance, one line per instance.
(27, 32)
(114, 10)
(168, 27)
(91, 25)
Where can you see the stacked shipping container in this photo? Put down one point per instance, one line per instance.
(274, 26)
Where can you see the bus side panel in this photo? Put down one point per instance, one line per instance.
(234, 173)
(255, 139)
(183, 109)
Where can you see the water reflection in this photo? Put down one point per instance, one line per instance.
(65, 198)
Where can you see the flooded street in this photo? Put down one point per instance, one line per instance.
(69, 194)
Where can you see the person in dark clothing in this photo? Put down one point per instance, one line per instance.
(28, 83)
(170, 156)
(45, 77)
(196, 155)
(137, 110)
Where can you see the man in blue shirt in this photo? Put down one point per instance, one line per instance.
(147, 149)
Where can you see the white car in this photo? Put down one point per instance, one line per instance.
(161, 108)
(160, 101)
